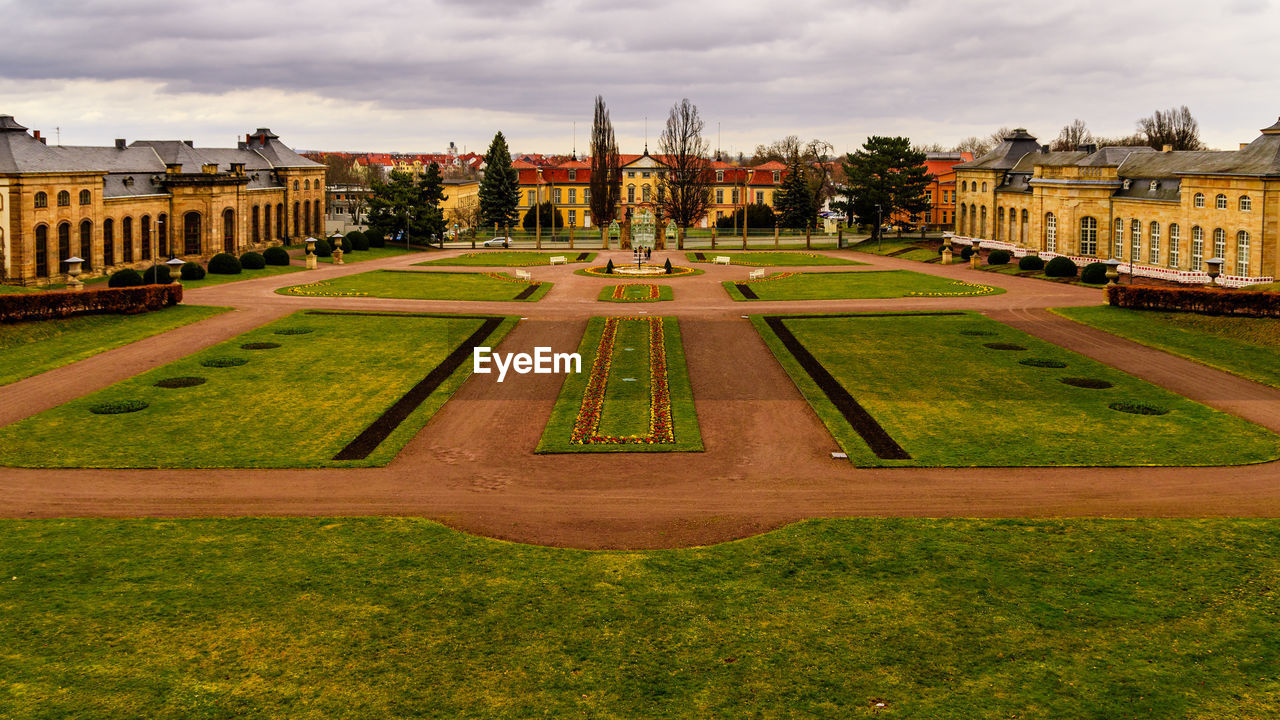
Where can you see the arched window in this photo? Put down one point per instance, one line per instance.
(646, 194)
(315, 213)
(295, 185)
(1088, 236)
(999, 226)
(266, 222)
(1221, 202)
(86, 197)
(306, 184)
(144, 238)
(108, 243)
(984, 187)
(1199, 200)
(162, 234)
(1013, 223)
(297, 225)
(964, 217)
(64, 245)
(1219, 242)
(631, 193)
(64, 198)
(1153, 251)
(1175, 245)
(1022, 229)
(191, 233)
(1197, 248)
(257, 225)
(42, 200)
(280, 221)
(1135, 241)
(42, 251)
(964, 186)
(1242, 253)
(306, 217)
(1117, 239)
(126, 240)
(86, 244)
(983, 230)
(229, 230)
(1050, 232)
(1245, 203)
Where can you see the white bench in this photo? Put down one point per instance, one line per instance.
(559, 259)
(757, 274)
(523, 274)
(721, 260)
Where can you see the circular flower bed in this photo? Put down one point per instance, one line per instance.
(1042, 363)
(118, 407)
(294, 331)
(676, 271)
(1138, 408)
(181, 382)
(977, 333)
(1084, 382)
(260, 346)
(223, 362)
(1003, 346)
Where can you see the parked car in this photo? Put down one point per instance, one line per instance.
(502, 242)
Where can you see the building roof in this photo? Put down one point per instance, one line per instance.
(1004, 156)
(20, 152)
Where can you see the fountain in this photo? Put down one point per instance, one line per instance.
(643, 236)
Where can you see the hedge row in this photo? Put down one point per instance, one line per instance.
(1200, 300)
(65, 303)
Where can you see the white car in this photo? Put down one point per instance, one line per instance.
(502, 242)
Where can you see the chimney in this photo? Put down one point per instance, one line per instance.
(1244, 145)
(1167, 148)
(248, 138)
(237, 168)
(173, 168)
(242, 145)
(120, 144)
(1090, 148)
(209, 168)
(36, 134)
(1044, 148)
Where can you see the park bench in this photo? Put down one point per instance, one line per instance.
(559, 259)
(722, 260)
(757, 274)
(523, 274)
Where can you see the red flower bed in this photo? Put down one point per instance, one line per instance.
(1210, 301)
(65, 303)
(620, 292)
(586, 429)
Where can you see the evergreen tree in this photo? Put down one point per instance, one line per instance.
(500, 187)
(794, 200)
(431, 222)
(549, 214)
(759, 216)
(885, 177)
(402, 206)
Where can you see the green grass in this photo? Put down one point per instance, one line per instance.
(634, 292)
(292, 406)
(1244, 346)
(889, 245)
(950, 401)
(381, 253)
(30, 348)
(355, 618)
(19, 289)
(763, 258)
(218, 279)
(421, 285)
(1013, 269)
(509, 258)
(860, 284)
(626, 406)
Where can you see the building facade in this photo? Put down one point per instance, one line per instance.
(133, 204)
(1160, 213)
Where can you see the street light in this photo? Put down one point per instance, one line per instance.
(879, 223)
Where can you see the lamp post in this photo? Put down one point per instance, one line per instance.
(175, 264)
(879, 223)
(73, 272)
(311, 253)
(1215, 269)
(336, 237)
(1113, 271)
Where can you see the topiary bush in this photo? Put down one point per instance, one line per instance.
(252, 261)
(966, 252)
(356, 241)
(224, 264)
(1003, 346)
(1095, 273)
(192, 271)
(294, 331)
(998, 257)
(977, 333)
(260, 346)
(322, 248)
(185, 381)
(1031, 262)
(223, 362)
(276, 256)
(608, 269)
(124, 278)
(1060, 267)
(118, 407)
(667, 266)
(375, 238)
(157, 275)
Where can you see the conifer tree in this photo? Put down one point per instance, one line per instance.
(499, 188)
(794, 200)
(886, 176)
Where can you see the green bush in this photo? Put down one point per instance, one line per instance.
(223, 362)
(224, 264)
(322, 248)
(276, 256)
(260, 346)
(608, 269)
(667, 266)
(1031, 262)
(966, 252)
(1095, 273)
(124, 278)
(118, 407)
(252, 261)
(998, 257)
(356, 241)
(375, 238)
(157, 275)
(1060, 267)
(192, 271)
(184, 381)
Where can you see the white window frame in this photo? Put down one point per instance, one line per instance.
(1197, 248)
(1242, 253)
(1117, 239)
(1175, 240)
(1219, 242)
(1246, 203)
(1135, 240)
(1051, 232)
(1088, 236)
(1220, 202)
(1153, 251)
(1199, 200)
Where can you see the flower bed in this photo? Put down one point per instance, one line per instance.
(316, 289)
(599, 271)
(775, 276)
(972, 290)
(586, 429)
(648, 293)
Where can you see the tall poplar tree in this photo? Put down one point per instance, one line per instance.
(885, 177)
(500, 186)
(606, 169)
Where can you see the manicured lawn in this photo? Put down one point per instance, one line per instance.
(1013, 269)
(355, 618)
(19, 289)
(246, 274)
(627, 398)
(509, 258)
(764, 258)
(1248, 347)
(890, 245)
(296, 405)
(602, 271)
(30, 348)
(635, 292)
(424, 285)
(381, 253)
(851, 285)
(947, 399)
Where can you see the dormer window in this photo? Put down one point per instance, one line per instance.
(1154, 184)
(128, 181)
(573, 175)
(777, 176)
(719, 176)
(1127, 183)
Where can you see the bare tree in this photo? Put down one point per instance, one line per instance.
(928, 147)
(974, 144)
(1073, 136)
(814, 156)
(606, 169)
(466, 214)
(340, 170)
(1134, 140)
(1174, 126)
(684, 189)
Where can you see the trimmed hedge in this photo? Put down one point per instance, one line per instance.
(1060, 267)
(322, 248)
(157, 275)
(119, 407)
(1209, 301)
(65, 303)
(276, 256)
(124, 278)
(1095, 273)
(252, 261)
(1031, 262)
(966, 252)
(356, 241)
(998, 257)
(192, 271)
(224, 264)
(375, 238)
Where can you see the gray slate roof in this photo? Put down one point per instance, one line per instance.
(1007, 154)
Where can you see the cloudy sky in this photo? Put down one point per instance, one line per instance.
(414, 76)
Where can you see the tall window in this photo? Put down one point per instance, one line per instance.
(1221, 202)
(645, 192)
(759, 197)
(573, 218)
(631, 193)
(1242, 253)
(162, 233)
(266, 222)
(734, 196)
(306, 218)
(64, 198)
(586, 200)
(1022, 228)
(1219, 242)
(1050, 233)
(1197, 248)
(306, 184)
(86, 244)
(126, 240)
(85, 199)
(1117, 239)
(280, 221)
(191, 233)
(982, 231)
(1153, 251)
(257, 226)
(555, 195)
(108, 242)
(964, 217)
(573, 196)
(1013, 223)
(297, 221)
(229, 230)
(144, 239)
(64, 245)
(315, 217)
(42, 200)
(1135, 241)
(1245, 203)
(1199, 200)
(1088, 236)
(1175, 245)
(42, 251)
(295, 185)
(529, 198)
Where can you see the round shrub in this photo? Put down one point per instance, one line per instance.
(260, 346)
(224, 264)
(118, 407)
(1042, 363)
(1095, 273)
(375, 238)
(276, 256)
(1138, 408)
(322, 248)
(252, 261)
(1060, 267)
(1031, 262)
(356, 241)
(998, 257)
(1003, 346)
(966, 252)
(124, 278)
(185, 381)
(223, 362)
(192, 271)
(294, 331)
(1089, 383)
(158, 275)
